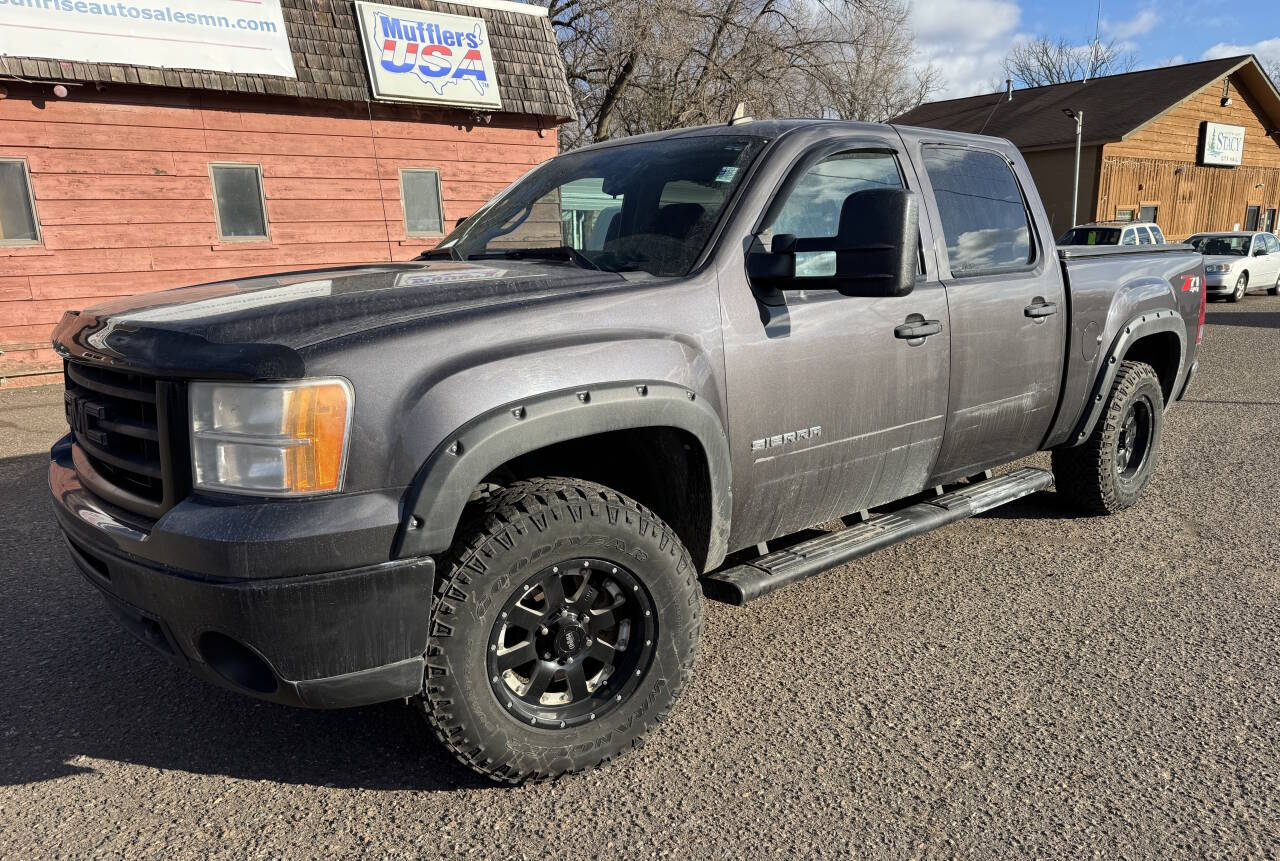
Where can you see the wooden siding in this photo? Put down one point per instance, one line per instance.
(125, 205)
(1156, 166)
(1175, 134)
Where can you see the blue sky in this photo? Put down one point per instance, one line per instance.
(967, 39)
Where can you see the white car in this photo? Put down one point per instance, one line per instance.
(1239, 261)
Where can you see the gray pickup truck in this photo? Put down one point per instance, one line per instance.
(499, 480)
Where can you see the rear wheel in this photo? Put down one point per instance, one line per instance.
(566, 621)
(1109, 471)
(1242, 287)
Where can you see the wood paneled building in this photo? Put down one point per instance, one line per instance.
(1144, 154)
(115, 188)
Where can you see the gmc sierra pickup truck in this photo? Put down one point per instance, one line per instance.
(498, 480)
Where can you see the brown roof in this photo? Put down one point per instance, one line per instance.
(330, 65)
(1114, 106)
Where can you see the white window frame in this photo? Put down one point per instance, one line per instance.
(404, 209)
(262, 202)
(31, 200)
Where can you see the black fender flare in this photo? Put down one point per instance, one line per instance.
(442, 487)
(1139, 326)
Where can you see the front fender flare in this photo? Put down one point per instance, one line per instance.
(441, 489)
(1138, 327)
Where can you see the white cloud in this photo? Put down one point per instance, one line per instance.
(1144, 22)
(966, 40)
(1267, 51)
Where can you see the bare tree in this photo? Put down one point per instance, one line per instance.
(1047, 61)
(669, 63)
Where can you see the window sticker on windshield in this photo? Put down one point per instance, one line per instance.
(727, 173)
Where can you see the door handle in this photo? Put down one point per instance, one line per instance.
(1040, 308)
(919, 328)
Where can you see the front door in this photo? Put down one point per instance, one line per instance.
(1008, 311)
(830, 410)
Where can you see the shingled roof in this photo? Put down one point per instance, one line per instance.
(327, 57)
(1115, 106)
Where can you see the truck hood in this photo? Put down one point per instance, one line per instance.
(254, 327)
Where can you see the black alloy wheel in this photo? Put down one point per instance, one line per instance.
(1134, 442)
(572, 643)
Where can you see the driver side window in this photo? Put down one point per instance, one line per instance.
(812, 209)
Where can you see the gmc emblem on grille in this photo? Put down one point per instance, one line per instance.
(80, 413)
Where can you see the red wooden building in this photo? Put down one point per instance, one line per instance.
(142, 178)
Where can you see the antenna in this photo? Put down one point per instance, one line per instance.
(1093, 49)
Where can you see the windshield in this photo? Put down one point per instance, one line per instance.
(1220, 246)
(1091, 236)
(648, 206)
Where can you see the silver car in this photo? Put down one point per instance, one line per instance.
(1239, 261)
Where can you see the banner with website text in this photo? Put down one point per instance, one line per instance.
(245, 36)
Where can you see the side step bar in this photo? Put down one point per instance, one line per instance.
(750, 580)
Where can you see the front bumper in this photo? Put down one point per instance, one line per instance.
(323, 639)
(1219, 283)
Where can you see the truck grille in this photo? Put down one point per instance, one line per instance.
(121, 425)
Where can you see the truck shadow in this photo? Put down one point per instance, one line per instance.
(76, 688)
(1253, 319)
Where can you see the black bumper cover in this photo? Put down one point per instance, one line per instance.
(324, 640)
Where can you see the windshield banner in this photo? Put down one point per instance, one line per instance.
(215, 35)
(419, 56)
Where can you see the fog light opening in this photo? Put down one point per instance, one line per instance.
(237, 663)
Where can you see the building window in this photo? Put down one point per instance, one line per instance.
(423, 202)
(1149, 214)
(1269, 221)
(18, 222)
(1251, 218)
(984, 217)
(238, 203)
(1124, 215)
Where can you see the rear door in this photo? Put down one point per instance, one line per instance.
(1007, 305)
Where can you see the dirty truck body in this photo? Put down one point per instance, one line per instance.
(497, 480)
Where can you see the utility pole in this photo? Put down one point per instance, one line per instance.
(1078, 116)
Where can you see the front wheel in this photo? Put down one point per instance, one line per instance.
(566, 621)
(1242, 287)
(1109, 471)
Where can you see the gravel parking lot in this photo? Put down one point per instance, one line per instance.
(1020, 683)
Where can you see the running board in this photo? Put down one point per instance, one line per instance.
(750, 580)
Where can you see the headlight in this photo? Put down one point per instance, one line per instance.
(270, 439)
(1217, 267)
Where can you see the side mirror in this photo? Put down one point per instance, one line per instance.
(874, 247)
(459, 222)
(1261, 252)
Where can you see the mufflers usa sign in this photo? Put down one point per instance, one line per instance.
(419, 56)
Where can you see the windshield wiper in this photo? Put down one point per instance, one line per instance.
(449, 253)
(556, 252)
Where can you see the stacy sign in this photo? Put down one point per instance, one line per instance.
(419, 56)
(214, 35)
(1222, 144)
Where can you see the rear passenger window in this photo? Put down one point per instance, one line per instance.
(984, 217)
(1130, 237)
(1144, 236)
(1157, 235)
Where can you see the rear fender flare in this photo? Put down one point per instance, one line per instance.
(441, 489)
(1139, 326)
